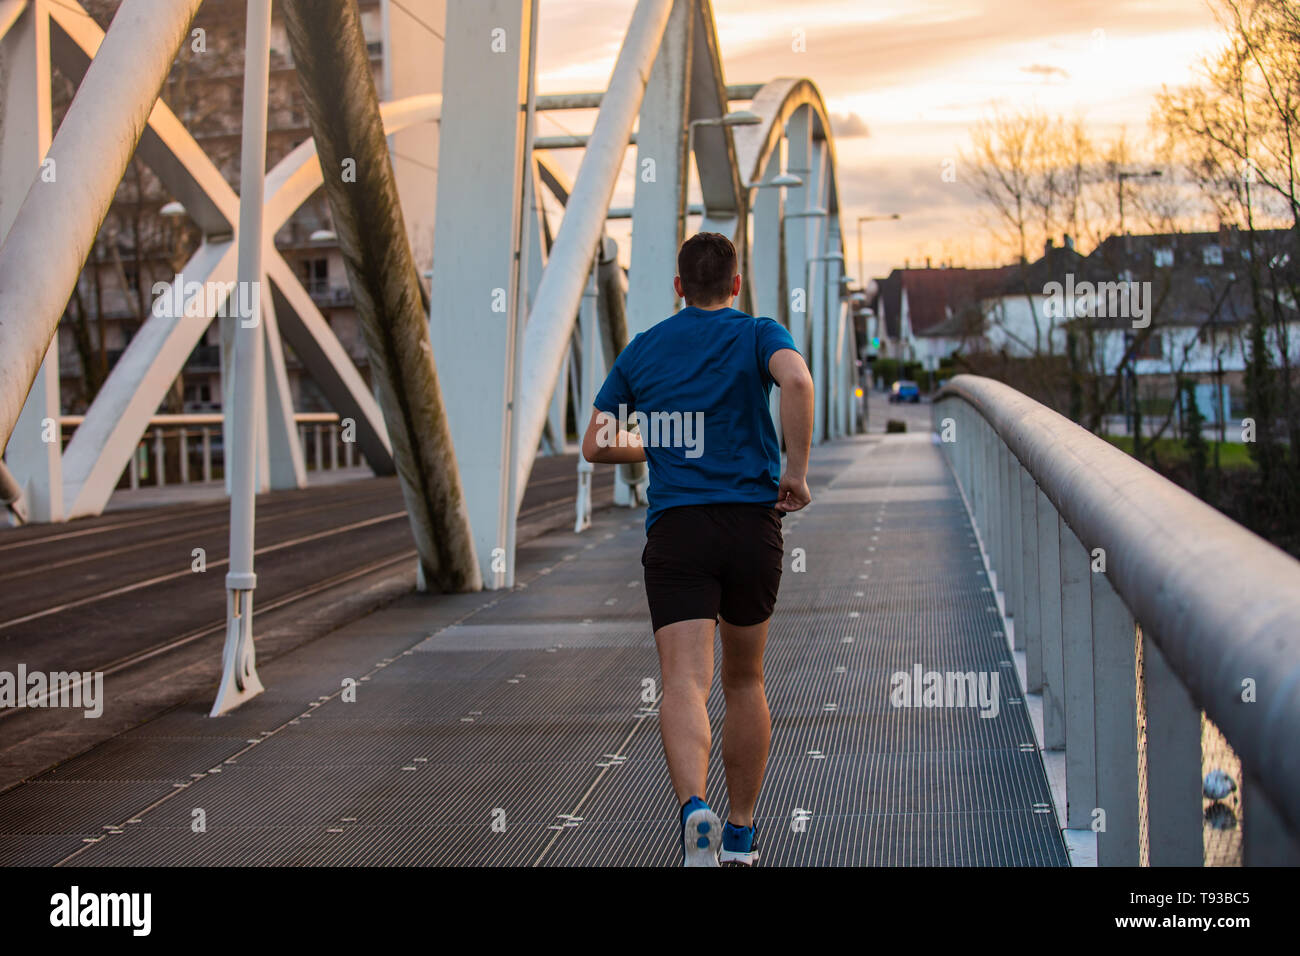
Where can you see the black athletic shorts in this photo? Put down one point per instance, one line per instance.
(702, 561)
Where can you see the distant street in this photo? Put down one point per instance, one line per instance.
(880, 411)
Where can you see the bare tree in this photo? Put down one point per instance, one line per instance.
(1237, 128)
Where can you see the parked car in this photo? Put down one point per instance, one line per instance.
(904, 391)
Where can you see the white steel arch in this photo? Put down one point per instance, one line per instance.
(670, 75)
(119, 416)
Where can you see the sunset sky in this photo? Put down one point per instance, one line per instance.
(917, 74)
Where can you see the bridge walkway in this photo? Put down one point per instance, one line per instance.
(510, 728)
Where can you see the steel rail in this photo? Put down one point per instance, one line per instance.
(1221, 604)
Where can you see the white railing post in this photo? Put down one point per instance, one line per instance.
(334, 447)
(992, 536)
(160, 456)
(134, 468)
(1049, 581)
(1076, 645)
(1173, 753)
(1126, 704)
(318, 447)
(1114, 668)
(1006, 568)
(183, 437)
(1015, 552)
(1028, 625)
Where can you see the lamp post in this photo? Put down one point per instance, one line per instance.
(1119, 186)
(783, 181)
(738, 118)
(862, 277)
(1130, 374)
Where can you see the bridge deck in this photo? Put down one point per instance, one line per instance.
(525, 708)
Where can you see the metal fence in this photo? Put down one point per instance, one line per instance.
(1163, 637)
(189, 448)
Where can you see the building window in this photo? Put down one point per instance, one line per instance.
(1164, 258)
(1212, 255)
(1151, 348)
(316, 276)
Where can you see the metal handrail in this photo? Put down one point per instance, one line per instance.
(1221, 603)
(208, 418)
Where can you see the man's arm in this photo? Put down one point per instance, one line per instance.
(790, 371)
(606, 443)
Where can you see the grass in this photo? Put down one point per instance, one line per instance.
(1172, 451)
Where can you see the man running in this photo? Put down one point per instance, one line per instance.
(698, 385)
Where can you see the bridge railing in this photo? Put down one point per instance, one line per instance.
(194, 442)
(1149, 622)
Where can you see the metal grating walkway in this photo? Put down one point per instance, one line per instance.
(524, 710)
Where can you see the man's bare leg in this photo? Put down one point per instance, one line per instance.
(747, 730)
(686, 663)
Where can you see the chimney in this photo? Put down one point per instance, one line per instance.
(927, 262)
(1069, 241)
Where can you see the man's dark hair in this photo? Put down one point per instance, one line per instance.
(706, 264)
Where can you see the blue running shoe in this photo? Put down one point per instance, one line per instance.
(701, 834)
(739, 846)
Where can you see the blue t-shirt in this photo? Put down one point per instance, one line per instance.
(697, 384)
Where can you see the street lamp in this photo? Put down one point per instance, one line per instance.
(1131, 409)
(812, 213)
(785, 180)
(738, 118)
(862, 278)
(1119, 183)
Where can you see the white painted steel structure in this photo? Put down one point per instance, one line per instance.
(1106, 570)
(507, 283)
